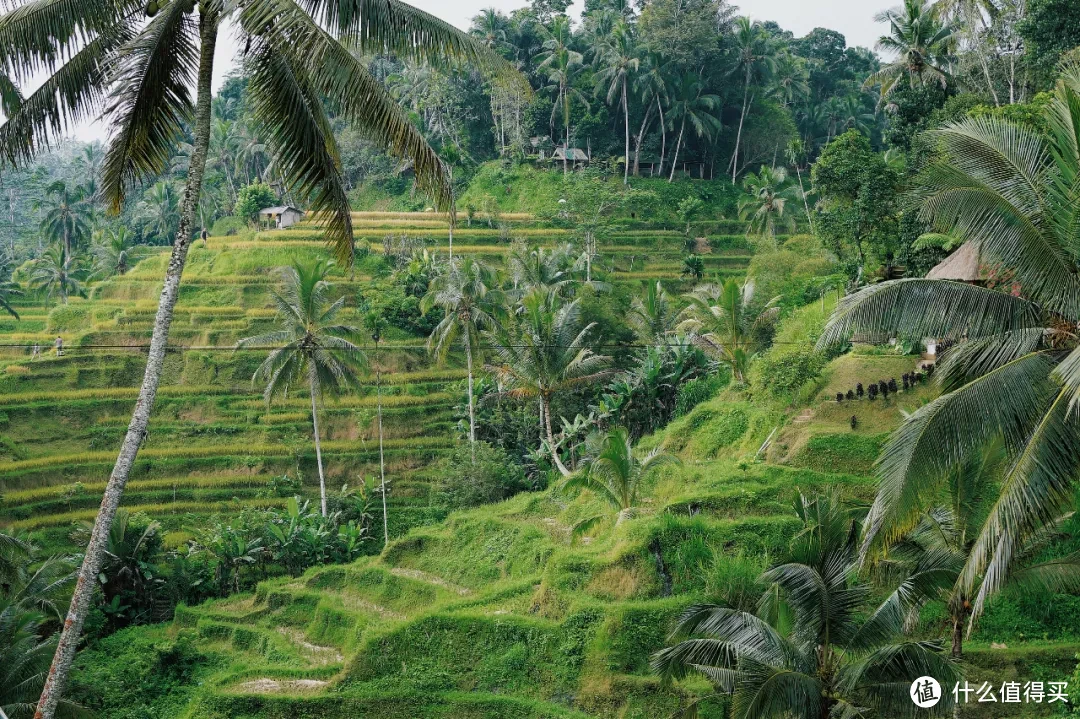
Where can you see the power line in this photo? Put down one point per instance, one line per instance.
(46, 347)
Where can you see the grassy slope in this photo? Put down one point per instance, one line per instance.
(486, 613)
(495, 613)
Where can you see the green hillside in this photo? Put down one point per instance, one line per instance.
(491, 612)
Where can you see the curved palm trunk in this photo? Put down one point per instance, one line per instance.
(313, 383)
(566, 126)
(640, 138)
(546, 402)
(663, 136)
(472, 411)
(678, 146)
(738, 135)
(626, 128)
(88, 572)
(382, 462)
(802, 192)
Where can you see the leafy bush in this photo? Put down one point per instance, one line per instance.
(252, 198)
(68, 318)
(228, 226)
(493, 477)
(780, 373)
(700, 389)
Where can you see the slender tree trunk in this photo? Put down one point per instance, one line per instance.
(566, 126)
(313, 382)
(678, 146)
(67, 249)
(626, 128)
(738, 135)
(663, 135)
(472, 411)
(551, 438)
(957, 638)
(641, 138)
(802, 192)
(56, 680)
(382, 461)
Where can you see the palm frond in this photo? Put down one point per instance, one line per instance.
(935, 440)
(150, 102)
(918, 308)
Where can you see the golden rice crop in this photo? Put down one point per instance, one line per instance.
(218, 450)
(85, 515)
(37, 494)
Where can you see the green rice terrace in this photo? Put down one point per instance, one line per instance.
(499, 611)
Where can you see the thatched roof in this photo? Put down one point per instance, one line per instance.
(962, 265)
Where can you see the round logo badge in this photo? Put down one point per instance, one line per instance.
(925, 692)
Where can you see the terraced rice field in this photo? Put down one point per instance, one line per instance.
(213, 444)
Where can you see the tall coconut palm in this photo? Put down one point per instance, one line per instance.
(307, 345)
(541, 351)
(618, 61)
(690, 103)
(31, 590)
(837, 660)
(490, 26)
(375, 323)
(54, 275)
(652, 316)
(716, 320)
(615, 475)
(68, 215)
(153, 79)
(469, 297)
(766, 201)
(755, 60)
(796, 157)
(115, 251)
(651, 83)
(921, 43)
(559, 62)
(1014, 375)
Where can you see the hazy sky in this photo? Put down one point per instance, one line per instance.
(853, 18)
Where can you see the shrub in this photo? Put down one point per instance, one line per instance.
(781, 372)
(252, 198)
(228, 226)
(493, 477)
(699, 390)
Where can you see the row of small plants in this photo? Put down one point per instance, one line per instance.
(885, 387)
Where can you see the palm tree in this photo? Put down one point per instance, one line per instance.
(106, 57)
(308, 345)
(690, 102)
(715, 320)
(796, 157)
(560, 63)
(651, 84)
(618, 61)
(490, 26)
(755, 61)
(160, 210)
(29, 606)
(542, 352)
(68, 215)
(921, 43)
(615, 475)
(375, 323)
(55, 276)
(652, 317)
(790, 79)
(470, 300)
(766, 201)
(836, 660)
(114, 252)
(1013, 376)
